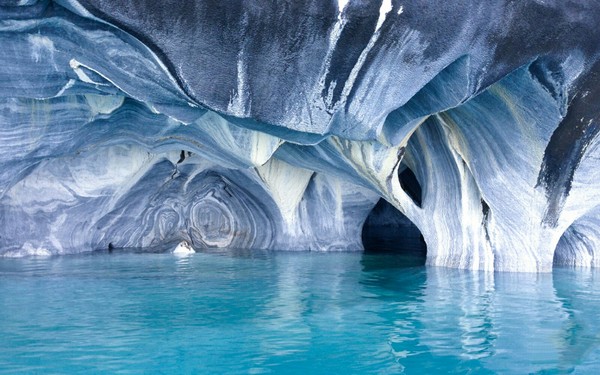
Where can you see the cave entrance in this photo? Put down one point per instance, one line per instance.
(388, 231)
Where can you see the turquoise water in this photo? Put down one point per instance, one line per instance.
(265, 312)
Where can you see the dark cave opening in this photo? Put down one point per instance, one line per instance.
(411, 185)
(388, 231)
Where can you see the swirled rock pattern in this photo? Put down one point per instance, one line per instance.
(279, 125)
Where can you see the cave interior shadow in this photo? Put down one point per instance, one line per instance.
(391, 240)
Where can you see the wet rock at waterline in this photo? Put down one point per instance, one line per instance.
(250, 124)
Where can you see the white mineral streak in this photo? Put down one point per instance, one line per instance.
(67, 86)
(76, 66)
(287, 185)
(252, 147)
(349, 84)
(104, 104)
(262, 147)
(334, 36)
(411, 42)
(341, 5)
(239, 104)
(40, 45)
(386, 7)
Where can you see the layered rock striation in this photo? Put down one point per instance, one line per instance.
(279, 125)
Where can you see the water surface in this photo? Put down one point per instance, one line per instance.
(283, 312)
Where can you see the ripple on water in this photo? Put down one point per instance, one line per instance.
(261, 312)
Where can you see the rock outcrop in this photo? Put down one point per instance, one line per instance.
(279, 125)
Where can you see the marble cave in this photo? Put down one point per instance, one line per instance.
(282, 125)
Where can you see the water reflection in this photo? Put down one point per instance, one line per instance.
(461, 321)
(459, 302)
(231, 311)
(577, 291)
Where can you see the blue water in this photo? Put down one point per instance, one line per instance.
(305, 313)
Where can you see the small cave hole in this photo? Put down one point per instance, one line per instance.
(410, 184)
(387, 230)
(181, 157)
(485, 209)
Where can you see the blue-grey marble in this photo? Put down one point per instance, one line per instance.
(279, 125)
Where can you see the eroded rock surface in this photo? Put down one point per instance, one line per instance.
(279, 125)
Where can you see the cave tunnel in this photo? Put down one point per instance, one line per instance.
(388, 231)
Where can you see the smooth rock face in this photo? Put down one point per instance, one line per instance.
(279, 125)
